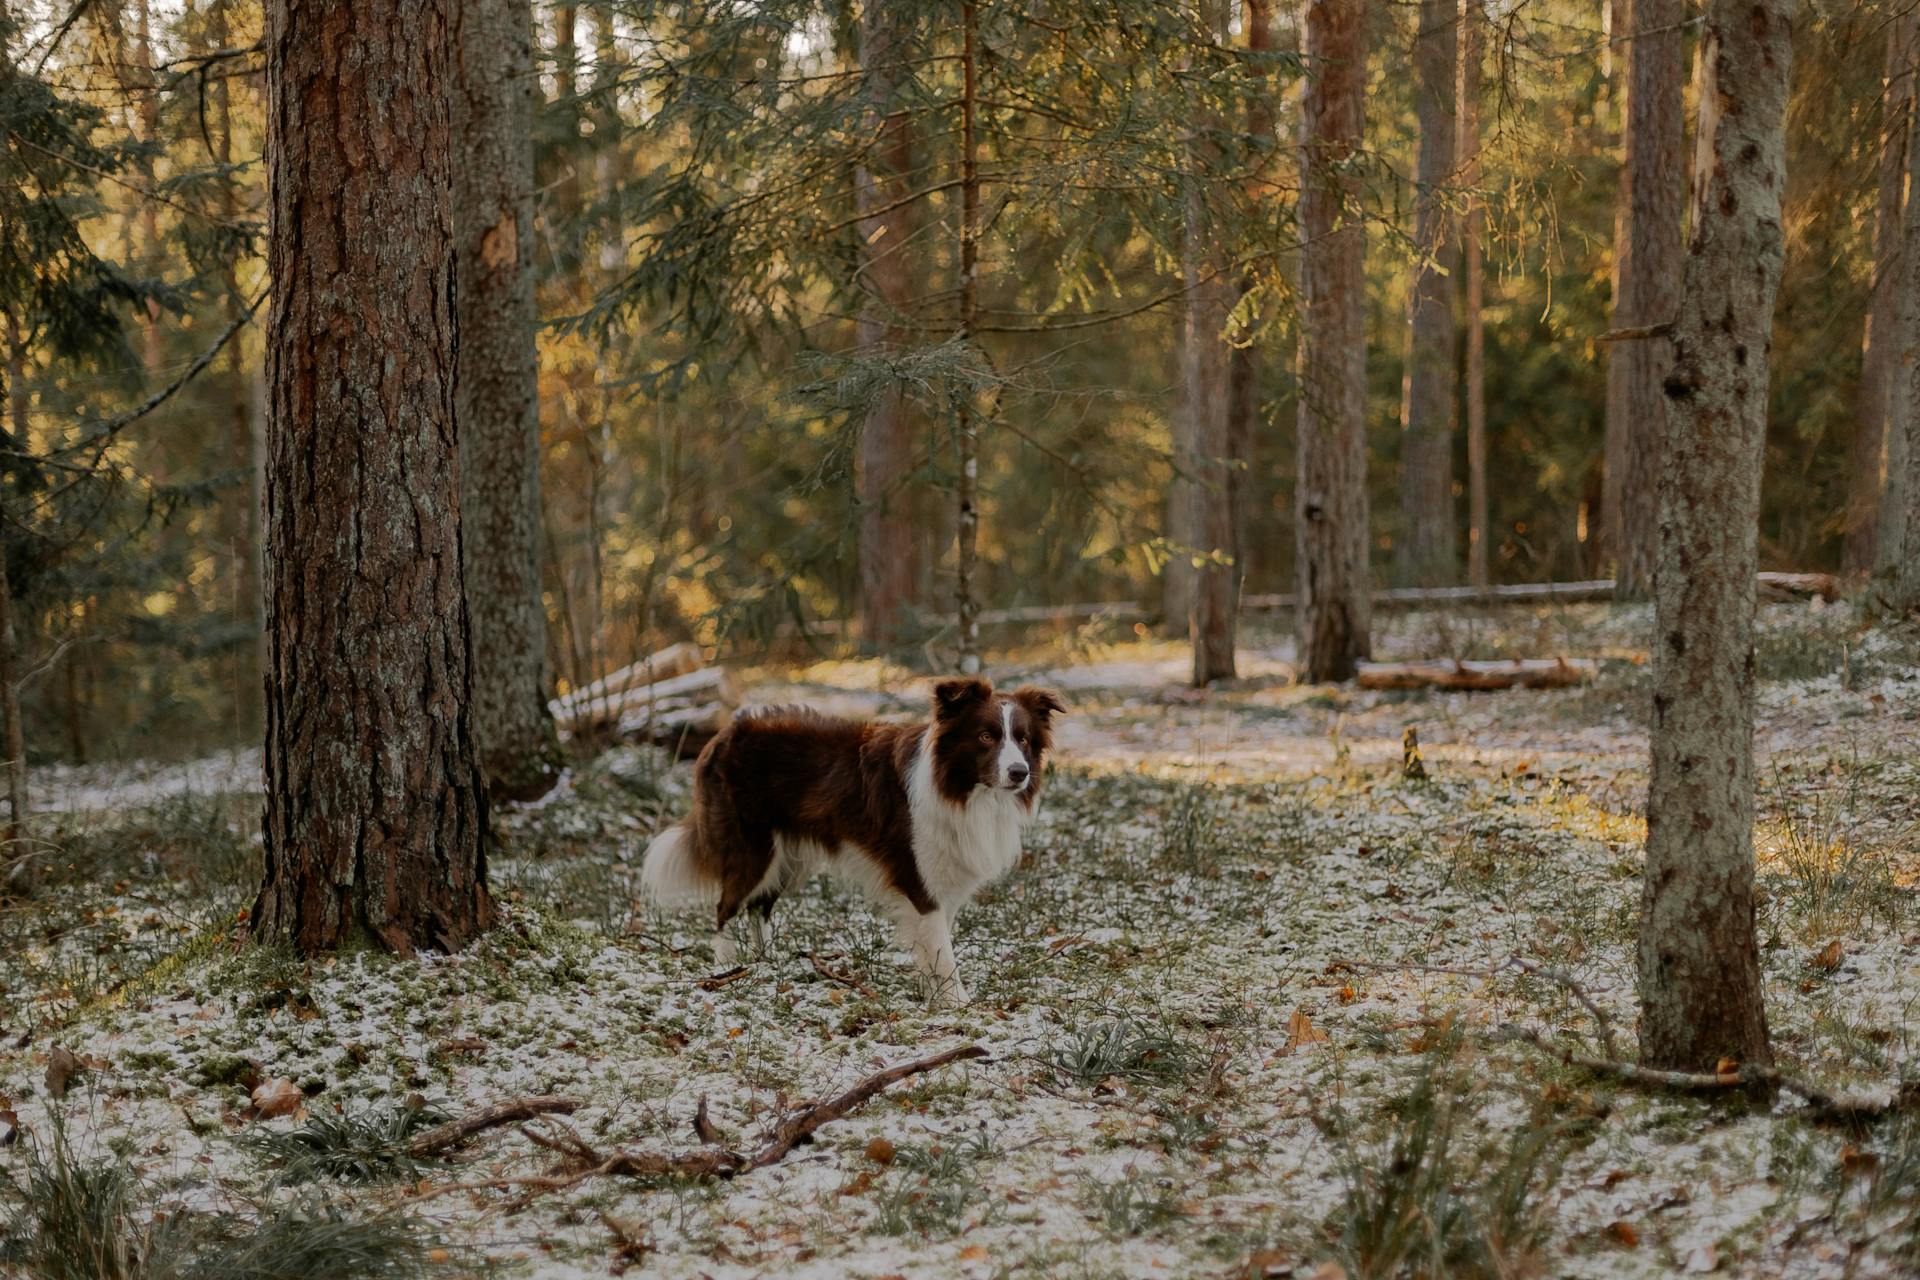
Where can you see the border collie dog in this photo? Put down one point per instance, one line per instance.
(917, 816)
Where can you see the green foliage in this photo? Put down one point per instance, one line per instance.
(350, 1146)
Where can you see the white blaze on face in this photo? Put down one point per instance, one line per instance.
(1011, 757)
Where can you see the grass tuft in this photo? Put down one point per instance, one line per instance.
(361, 1147)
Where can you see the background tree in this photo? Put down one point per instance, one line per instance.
(375, 806)
(497, 395)
(1646, 267)
(1473, 20)
(1895, 588)
(1700, 988)
(1330, 495)
(1426, 549)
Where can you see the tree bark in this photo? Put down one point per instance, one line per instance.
(1895, 588)
(1646, 282)
(889, 568)
(12, 740)
(1472, 18)
(1427, 555)
(1243, 360)
(1700, 986)
(497, 402)
(376, 811)
(966, 429)
(1881, 389)
(1330, 494)
(1203, 453)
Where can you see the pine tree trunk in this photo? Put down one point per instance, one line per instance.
(1472, 19)
(1700, 986)
(1895, 588)
(1427, 555)
(1243, 359)
(376, 812)
(497, 404)
(1330, 495)
(12, 739)
(966, 429)
(889, 568)
(1646, 271)
(1205, 448)
(1880, 384)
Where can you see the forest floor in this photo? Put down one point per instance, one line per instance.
(1212, 1048)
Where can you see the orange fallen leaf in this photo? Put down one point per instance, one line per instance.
(1622, 1232)
(1301, 1031)
(974, 1253)
(880, 1151)
(1830, 956)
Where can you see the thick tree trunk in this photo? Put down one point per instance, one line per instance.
(12, 739)
(1330, 494)
(1700, 989)
(1895, 588)
(1426, 552)
(1881, 389)
(375, 808)
(1244, 358)
(497, 404)
(889, 569)
(1472, 18)
(1646, 282)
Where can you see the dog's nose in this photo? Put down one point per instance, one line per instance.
(1017, 773)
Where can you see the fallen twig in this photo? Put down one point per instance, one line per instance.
(842, 976)
(715, 981)
(443, 1138)
(708, 1162)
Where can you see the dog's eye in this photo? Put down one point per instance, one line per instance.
(986, 735)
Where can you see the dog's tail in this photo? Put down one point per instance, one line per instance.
(671, 873)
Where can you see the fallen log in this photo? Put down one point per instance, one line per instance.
(1823, 586)
(1450, 673)
(443, 1138)
(628, 710)
(674, 660)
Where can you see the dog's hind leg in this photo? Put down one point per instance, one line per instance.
(751, 862)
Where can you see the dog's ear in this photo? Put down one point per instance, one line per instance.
(951, 697)
(1040, 703)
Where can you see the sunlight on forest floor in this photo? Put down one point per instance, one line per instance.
(1207, 1056)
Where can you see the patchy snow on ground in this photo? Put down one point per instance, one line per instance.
(1217, 1042)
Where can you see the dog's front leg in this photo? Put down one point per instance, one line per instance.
(929, 938)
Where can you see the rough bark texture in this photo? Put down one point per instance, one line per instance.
(1204, 446)
(889, 567)
(1244, 359)
(1895, 588)
(1646, 287)
(1426, 554)
(1472, 18)
(1881, 386)
(375, 808)
(966, 428)
(1330, 493)
(12, 741)
(497, 394)
(1700, 992)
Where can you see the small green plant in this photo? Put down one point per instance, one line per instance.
(1830, 877)
(1421, 1200)
(94, 1220)
(1121, 1048)
(358, 1147)
(1133, 1205)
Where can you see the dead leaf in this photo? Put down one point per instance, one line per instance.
(9, 1127)
(1301, 1031)
(1269, 1264)
(974, 1253)
(276, 1097)
(62, 1067)
(1621, 1231)
(880, 1151)
(1727, 1067)
(1829, 956)
(703, 1127)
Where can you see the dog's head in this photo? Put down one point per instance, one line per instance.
(986, 739)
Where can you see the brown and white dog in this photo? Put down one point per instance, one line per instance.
(917, 816)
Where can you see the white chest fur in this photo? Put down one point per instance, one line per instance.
(960, 847)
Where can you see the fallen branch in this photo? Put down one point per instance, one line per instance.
(443, 1138)
(1450, 673)
(708, 1162)
(715, 981)
(842, 976)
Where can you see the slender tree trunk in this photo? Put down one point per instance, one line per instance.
(1700, 987)
(376, 811)
(1243, 360)
(12, 740)
(1330, 494)
(1426, 551)
(882, 182)
(1646, 287)
(1882, 387)
(1472, 19)
(967, 606)
(497, 404)
(1202, 456)
(1895, 588)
